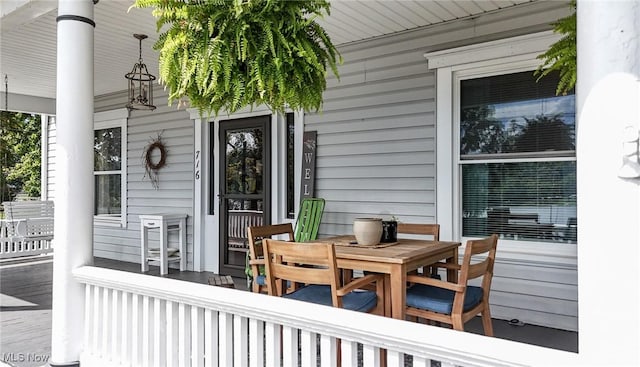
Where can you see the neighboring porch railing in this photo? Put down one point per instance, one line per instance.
(27, 228)
(139, 320)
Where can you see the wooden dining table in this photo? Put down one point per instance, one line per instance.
(394, 260)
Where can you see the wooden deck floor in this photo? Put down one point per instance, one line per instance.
(25, 312)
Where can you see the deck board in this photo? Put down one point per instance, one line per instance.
(25, 311)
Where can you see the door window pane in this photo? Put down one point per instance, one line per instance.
(241, 214)
(244, 162)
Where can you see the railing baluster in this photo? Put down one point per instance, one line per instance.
(159, 334)
(106, 324)
(136, 332)
(240, 341)
(328, 351)
(256, 343)
(95, 345)
(289, 346)
(349, 351)
(421, 362)
(184, 335)
(197, 336)
(210, 338)
(273, 344)
(116, 316)
(225, 332)
(88, 317)
(172, 333)
(308, 348)
(147, 330)
(370, 356)
(126, 328)
(395, 359)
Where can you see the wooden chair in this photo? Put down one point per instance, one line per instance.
(456, 303)
(432, 230)
(314, 266)
(255, 261)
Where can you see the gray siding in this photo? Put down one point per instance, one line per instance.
(175, 193)
(376, 150)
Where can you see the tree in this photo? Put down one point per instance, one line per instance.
(223, 54)
(19, 155)
(544, 133)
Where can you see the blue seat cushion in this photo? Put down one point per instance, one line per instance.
(261, 280)
(440, 300)
(363, 301)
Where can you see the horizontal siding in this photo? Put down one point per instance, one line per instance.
(376, 150)
(175, 193)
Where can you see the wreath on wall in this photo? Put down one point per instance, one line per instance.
(152, 167)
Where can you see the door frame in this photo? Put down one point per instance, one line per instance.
(205, 223)
(262, 122)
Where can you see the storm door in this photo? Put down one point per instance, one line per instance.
(245, 190)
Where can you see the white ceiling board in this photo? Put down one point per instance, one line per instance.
(28, 39)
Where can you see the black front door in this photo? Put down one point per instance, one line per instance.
(245, 189)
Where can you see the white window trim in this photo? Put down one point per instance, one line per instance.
(485, 59)
(105, 120)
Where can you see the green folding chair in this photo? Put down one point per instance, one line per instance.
(309, 219)
(307, 226)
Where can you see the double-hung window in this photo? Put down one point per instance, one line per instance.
(516, 157)
(109, 143)
(506, 160)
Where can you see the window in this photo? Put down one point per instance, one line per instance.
(109, 142)
(516, 157)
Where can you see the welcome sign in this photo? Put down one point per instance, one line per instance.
(308, 164)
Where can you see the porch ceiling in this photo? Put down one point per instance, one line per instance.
(28, 35)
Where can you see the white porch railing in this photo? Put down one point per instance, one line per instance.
(27, 228)
(139, 320)
(25, 237)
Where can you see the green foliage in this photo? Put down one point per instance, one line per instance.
(19, 155)
(562, 55)
(228, 54)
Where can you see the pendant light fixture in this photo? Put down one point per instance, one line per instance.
(140, 83)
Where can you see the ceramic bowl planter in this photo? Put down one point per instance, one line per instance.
(367, 230)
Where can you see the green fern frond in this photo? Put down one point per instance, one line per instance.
(225, 54)
(562, 55)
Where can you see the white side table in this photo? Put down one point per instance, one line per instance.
(165, 223)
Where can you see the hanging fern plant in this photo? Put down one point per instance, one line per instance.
(562, 55)
(225, 55)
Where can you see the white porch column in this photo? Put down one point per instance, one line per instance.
(74, 181)
(608, 96)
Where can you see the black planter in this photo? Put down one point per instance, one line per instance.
(389, 231)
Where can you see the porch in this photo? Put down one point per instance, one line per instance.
(26, 311)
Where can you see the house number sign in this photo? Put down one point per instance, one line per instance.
(308, 164)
